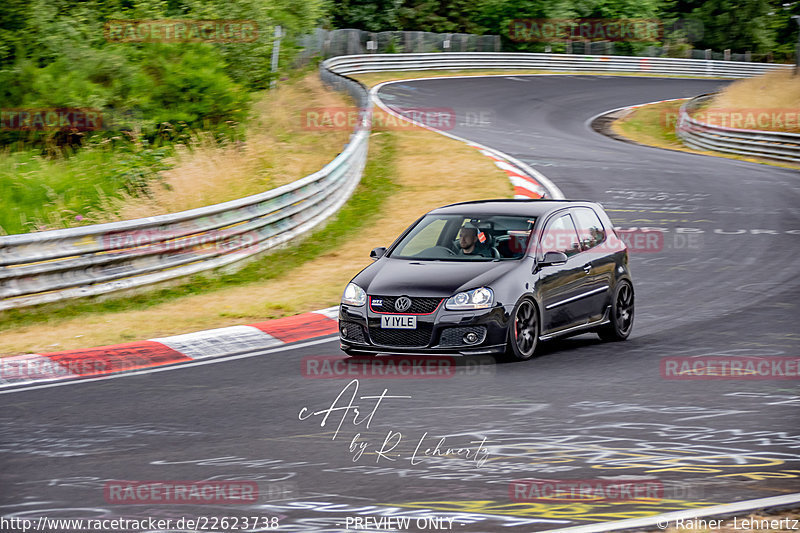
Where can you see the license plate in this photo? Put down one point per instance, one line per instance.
(398, 322)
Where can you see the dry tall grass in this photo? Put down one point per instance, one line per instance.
(277, 151)
(772, 102)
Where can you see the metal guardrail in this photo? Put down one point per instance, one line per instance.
(332, 43)
(55, 265)
(360, 64)
(702, 136)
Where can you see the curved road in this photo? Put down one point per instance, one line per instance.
(723, 282)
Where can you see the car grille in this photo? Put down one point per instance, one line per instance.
(355, 333)
(402, 337)
(454, 336)
(419, 305)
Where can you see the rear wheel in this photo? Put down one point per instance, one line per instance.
(621, 314)
(523, 331)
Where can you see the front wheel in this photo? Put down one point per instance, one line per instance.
(621, 314)
(523, 331)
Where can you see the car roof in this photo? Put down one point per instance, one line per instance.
(535, 208)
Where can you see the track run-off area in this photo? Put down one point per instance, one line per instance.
(721, 281)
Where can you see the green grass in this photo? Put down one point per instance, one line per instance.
(653, 123)
(361, 209)
(43, 192)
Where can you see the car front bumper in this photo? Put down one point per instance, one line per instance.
(443, 332)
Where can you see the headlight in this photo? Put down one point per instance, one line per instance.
(481, 298)
(354, 295)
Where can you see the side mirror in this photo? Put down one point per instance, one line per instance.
(553, 259)
(377, 253)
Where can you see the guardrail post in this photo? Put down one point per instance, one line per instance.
(727, 54)
(276, 50)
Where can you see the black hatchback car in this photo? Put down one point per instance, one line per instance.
(491, 277)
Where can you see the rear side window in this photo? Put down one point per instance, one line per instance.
(590, 229)
(560, 236)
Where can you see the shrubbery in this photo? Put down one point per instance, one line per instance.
(53, 53)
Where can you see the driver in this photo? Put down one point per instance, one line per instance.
(470, 245)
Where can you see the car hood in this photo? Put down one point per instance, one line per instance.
(395, 277)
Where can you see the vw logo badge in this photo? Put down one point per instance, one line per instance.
(402, 304)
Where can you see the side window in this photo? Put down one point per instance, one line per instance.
(590, 229)
(560, 236)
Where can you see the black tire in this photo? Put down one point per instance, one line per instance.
(523, 331)
(622, 310)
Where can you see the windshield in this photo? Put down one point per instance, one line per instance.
(466, 238)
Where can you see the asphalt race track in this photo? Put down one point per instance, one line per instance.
(723, 282)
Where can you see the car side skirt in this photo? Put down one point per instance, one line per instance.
(580, 327)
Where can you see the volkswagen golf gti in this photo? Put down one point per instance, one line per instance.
(491, 277)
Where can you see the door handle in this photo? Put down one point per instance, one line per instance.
(587, 268)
